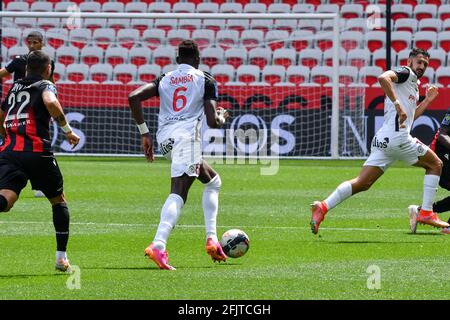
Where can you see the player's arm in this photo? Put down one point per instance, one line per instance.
(444, 138)
(135, 99)
(54, 108)
(4, 73)
(431, 94)
(2, 128)
(386, 81)
(215, 117)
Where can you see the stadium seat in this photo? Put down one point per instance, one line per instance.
(118, 24)
(262, 25)
(104, 37)
(279, 8)
(223, 73)
(328, 25)
(25, 23)
(252, 38)
(435, 2)
(311, 25)
(113, 7)
(273, 74)
(288, 25)
(128, 38)
(301, 39)
(238, 25)
(358, 58)
(408, 24)
(327, 8)
(425, 11)
(321, 75)
(430, 25)
(159, 7)
(428, 77)
(437, 58)
(91, 55)
(357, 24)
(227, 38)
(247, 74)
(189, 24)
(90, 7)
(443, 76)
(402, 57)
(125, 73)
(63, 6)
(260, 57)
(183, 7)
(212, 56)
(379, 58)
(229, 7)
(303, 8)
(255, 8)
(329, 54)
(236, 57)
(148, 72)
(351, 40)
(297, 75)
(163, 56)
(94, 24)
(276, 39)
(41, 7)
(77, 72)
(375, 40)
(348, 75)
(18, 6)
(165, 24)
(48, 23)
(369, 75)
(207, 7)
(401, 11)
(116, 55)
(140, 56)
(203, 37)
(310, 57)
(16, 51)
(154, 38)
(141, 25)
(11, 37)
(100, 72)
(80, 37)
(284, 57)
(446, 25)
(425, 39)
(204, 68)
(400, 40)
(444, 12)
(169, 68)
(4, 56)
(324, 41)
(444, 40)
(50, 52)
(174, 37)
(67, 55)
(352, 11)
(138, 7)
(59, 73)
(214, 24)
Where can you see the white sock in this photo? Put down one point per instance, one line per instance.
(61, 255)
(169, 216)
(430, 186)
(210, 203)
(342, 192)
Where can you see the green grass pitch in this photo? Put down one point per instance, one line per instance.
(115, 206)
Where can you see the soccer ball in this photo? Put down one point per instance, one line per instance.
(235, 243)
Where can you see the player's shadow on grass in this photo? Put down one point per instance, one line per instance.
(24, 276)
(154, 268)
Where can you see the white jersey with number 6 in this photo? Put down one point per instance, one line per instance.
(182, 94)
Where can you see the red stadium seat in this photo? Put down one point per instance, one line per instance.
(140, 56)
(400, 40)
(425, 39)
(443, 76)
(212, 56)
(91, 55)
(284, 57)
(321, 75)
(116, 55)
(223, 73)
(347, 75)
(273, 74)
(148, 72)
(375, 40)
(77, 72)
(227, 38)
(11, 37)
(260, 57)
(276, 39)
(101, 72)
(125, 73)
(425, 11)
(236, 57)
(67, 55)
(247, 74)
(310, 57)
(297, 74)
(163, 56)
(444, 40)
(358, 58)
(153, 38)
(80, 37)
(369, 74)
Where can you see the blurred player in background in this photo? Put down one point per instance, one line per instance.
(26, 154)
(394, 142)
(17, 66)
(441, 146)
(186, 95)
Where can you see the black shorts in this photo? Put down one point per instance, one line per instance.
(444, 181)
(16, 168)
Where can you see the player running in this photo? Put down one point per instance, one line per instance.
(394, 142)
(26, 153)
(186, 95)
(441, 146)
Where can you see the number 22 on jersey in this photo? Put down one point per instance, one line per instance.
(23, 98)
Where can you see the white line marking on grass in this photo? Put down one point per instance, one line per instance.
(137, 225)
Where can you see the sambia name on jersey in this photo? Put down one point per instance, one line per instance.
(27, 121)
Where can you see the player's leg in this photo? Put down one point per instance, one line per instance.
(12, 180)
(443, 205)
(210, 202)
(7, 199)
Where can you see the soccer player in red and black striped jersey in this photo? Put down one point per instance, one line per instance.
(26, 153)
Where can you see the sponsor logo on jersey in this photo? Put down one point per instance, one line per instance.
(412, 98)
(166, 146)
(181, 80)
(380, 144)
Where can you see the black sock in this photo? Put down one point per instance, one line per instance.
(442, 205)
(3, 203)
(61, 221)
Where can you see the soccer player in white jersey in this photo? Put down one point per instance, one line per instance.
(394, 142)
(186, 95)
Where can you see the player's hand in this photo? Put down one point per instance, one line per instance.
(401, 119)
(223, 113)
(431, 92)
(73, 139)
(147, 146)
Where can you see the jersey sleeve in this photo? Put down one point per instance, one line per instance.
(47, 85)
(157, 81)
(211, 90)
(446, 120)
(13, 65)
(402, 74)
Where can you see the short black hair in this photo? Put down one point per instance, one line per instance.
(35, 34)
(188, 49)
(37, 62)
(416, 51)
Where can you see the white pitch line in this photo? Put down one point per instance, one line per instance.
(201, 226)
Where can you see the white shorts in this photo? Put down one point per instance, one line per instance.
(185, 154)
(388, 147)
